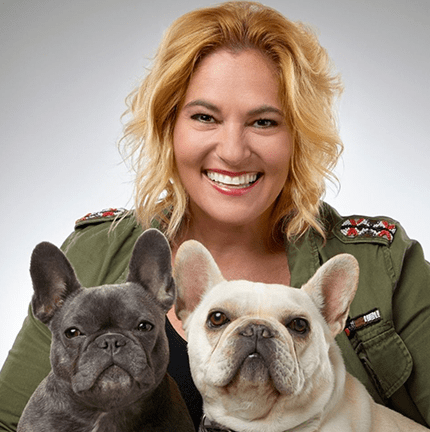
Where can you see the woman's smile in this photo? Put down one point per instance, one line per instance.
(232, 182)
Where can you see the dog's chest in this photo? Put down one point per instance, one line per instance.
(105, 422)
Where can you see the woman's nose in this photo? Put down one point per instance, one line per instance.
(233, 146)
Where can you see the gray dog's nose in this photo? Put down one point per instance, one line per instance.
(111, 342)
(257, 330)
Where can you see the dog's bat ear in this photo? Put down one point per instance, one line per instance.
(333, 287)
(53, 280)
(151, 267)
(195, 272)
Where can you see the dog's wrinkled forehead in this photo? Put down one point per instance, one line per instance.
(114, 305)
(263, 300)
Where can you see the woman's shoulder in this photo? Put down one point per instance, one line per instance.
(363, 235)
(361, 228)
(101, 244)
(101, 229)
(105, 215)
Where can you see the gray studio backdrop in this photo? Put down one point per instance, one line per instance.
(66, 67)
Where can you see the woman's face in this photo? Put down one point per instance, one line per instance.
(231, 144)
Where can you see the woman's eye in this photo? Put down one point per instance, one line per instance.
(204, 118)
(265, 123)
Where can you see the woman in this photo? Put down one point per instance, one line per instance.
(234, 128)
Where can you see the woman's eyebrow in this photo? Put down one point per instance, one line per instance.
(263, 109)
(204, 104)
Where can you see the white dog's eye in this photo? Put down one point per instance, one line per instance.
(72, 333)
(145, 326)
(217, 319)
(298, 325)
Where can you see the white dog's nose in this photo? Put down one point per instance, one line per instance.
(257, 330)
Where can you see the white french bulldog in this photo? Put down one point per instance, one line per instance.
(264, 356)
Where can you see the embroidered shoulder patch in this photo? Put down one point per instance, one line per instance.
(102, 214)
(368, 228)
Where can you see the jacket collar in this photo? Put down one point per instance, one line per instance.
(303, 257)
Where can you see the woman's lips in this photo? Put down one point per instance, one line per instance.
(230, 183)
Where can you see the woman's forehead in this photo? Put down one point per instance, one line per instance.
(248, 76)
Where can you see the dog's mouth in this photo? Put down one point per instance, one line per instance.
(261, 367)
(113, 378)
(252, 389)
(114, 387)
(254, 369)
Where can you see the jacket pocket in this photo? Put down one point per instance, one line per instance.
(385, 358)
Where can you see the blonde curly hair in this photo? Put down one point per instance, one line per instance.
(308, 90)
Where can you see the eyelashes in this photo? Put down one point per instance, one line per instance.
(203, 118)
(265, 123)
(261, 123)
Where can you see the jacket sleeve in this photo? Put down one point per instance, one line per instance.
(99, 251)
(390, 352)
(411, 317)
(25, 367)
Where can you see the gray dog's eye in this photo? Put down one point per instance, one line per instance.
(217, 319)
(298, 325)
(72, 333)
(145, 326)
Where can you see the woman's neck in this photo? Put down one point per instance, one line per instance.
(220, 237)
(241, 252)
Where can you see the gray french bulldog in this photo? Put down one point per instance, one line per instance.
(109, 351)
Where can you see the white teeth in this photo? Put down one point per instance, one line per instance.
(243, 180)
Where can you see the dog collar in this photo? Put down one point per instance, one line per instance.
(207, 425)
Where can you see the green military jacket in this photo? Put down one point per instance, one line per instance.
(386, 344)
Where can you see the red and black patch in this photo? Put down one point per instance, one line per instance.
(368, 228)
